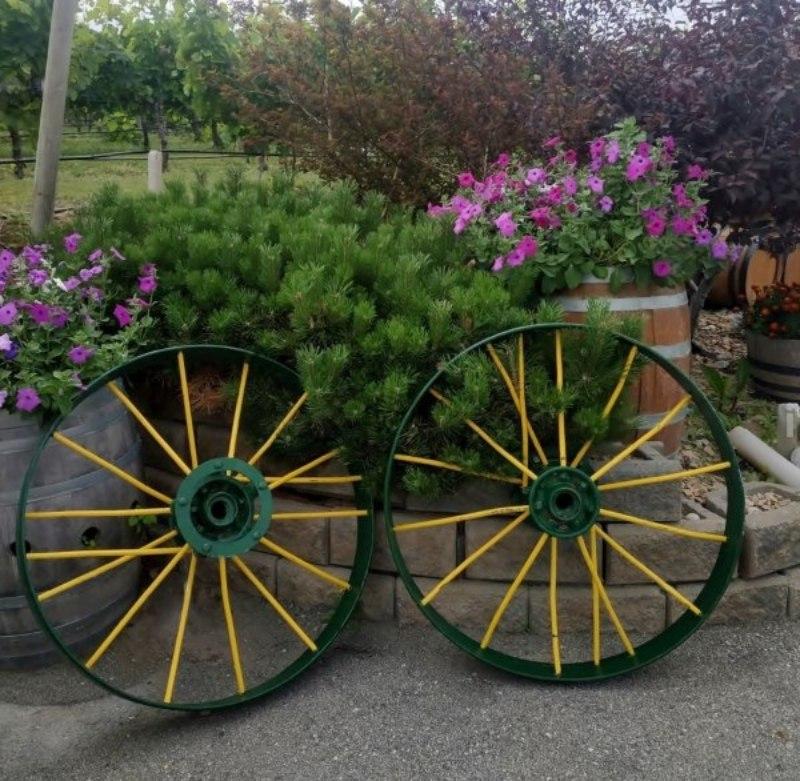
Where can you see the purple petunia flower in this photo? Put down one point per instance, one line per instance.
(6, 259)
(123, 316)
(498, 263)
(638, 166)
(535, 176)
(96, 255)
(505, 224)
(27, 399)
(37, 277)
(8, 313)
(12, 352)
(696, 171)
(704, 237)
(58, 317)
(5, 342)
(466, 179)
(503, 159)
(612, 151)
(93, 293)
(719, 250)
(72, 242)
(71, 283)
(606, 204)
(80, 354)
(33, 256)
(40, 313)
(147, 285)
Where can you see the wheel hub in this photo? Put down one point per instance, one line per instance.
(564, 502)
(223, 507)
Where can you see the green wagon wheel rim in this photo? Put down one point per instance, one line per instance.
(563, 501)
(221, 512)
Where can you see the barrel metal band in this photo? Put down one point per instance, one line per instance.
(634, 304)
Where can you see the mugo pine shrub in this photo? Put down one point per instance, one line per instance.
(364, 301)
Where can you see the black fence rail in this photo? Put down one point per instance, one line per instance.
(140, 155)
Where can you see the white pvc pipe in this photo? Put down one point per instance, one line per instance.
(761, 455)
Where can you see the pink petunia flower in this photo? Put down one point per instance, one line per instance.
(662, 268)
(638, 166)
(612, 151)
(505, 224)
(503, 159)
(595, 184)
(570, 185)
(596, 147)
(551, 142)
(535, 176)
(435, 210)
(655, 224)
(516, 257)
(498, 263)
(571, 157)
(528, 246)
(123, 316)
(696, 171)
(466, 179)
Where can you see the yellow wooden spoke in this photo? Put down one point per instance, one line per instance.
(473, 557)
(488, 440)
(233, 641)
(645, 570)
(277, 606)
(512, 391)
(612, 400)
(455, 468)
(556, 642)
(135, 608)
(593, 572)
(302, 516)
(522, 405)
(148, 427)
(447, 519)
(302, 469)
(331, 480)
(595, 600)
(663, 527)
(181, 631)
(101, 570)
(91, 553)
(237, 412)
(187, 410)
(306, 565)
(646, 437)
(512, 589)
(562, 423)
(131, 512)
(667, 478)
(109, 467)
(287, 419)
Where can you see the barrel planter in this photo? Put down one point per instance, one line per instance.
(756, 268)
(665, 314)
(65, 480)
(774, 366)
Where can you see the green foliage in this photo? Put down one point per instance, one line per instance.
(365, 308)
(726, 389)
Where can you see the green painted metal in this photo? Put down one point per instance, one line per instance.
(657, 646)
(219, 515)
(339, 615)
(564, 502)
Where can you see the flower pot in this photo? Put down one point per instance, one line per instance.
(774, 366)
(665, 312)
(65, 481)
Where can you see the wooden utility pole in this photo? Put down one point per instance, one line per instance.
(51, 119)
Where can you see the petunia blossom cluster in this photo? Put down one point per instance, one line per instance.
(623, 207)
(63, 322)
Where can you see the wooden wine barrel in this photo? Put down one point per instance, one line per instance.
(791, 268)
(65, 480)
(774, 366)
(665, 314)
(755, 268)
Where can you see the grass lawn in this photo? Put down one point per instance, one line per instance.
(78, 180)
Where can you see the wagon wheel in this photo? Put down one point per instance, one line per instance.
(586, 588)
(211, 625)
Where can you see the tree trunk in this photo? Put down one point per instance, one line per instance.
(197, 128)
(16, 152)
(216, 139)
(161, 129)
(145, 134)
